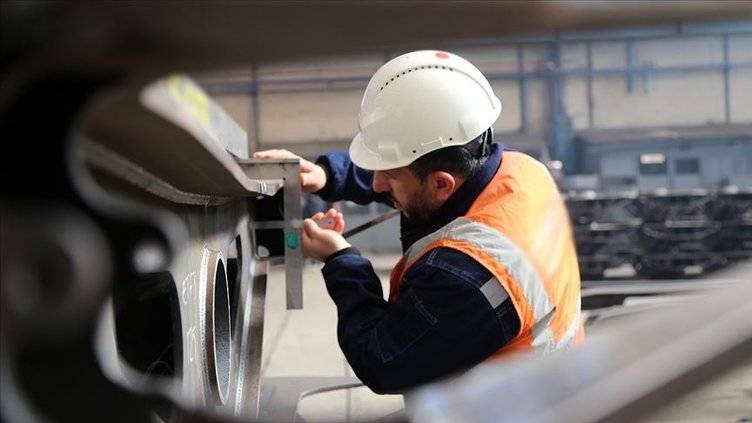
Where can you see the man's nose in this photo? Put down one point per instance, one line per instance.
(379, 182)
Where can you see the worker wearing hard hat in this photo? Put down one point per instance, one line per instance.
(489, 265)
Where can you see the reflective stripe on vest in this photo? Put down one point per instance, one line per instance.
(505, 252)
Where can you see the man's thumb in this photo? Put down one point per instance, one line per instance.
(305, 179)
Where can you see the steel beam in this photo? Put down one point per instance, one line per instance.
(195, 138)
(611, 376)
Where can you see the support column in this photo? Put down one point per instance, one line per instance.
(522, 82)
(253, 120)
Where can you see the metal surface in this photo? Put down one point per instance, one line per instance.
(214, 324)
(175, 212)
(194, 136)
(293, 248)
(188, 326)
(286, 172)
(217, 280)
(617, 375)
(215, 285)
(603, 301)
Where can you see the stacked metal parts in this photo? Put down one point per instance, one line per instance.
(661, 235)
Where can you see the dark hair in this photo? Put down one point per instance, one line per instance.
(459, 160)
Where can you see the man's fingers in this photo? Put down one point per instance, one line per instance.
(312, 176)
(305, 179)
(305, 238)
(308, 182)
(275, 154)
(339, 226)
(265, 154)
(311, 228)
(324, 221)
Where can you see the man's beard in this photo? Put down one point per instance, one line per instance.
(419, 211)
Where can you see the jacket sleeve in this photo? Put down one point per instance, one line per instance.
(345, 181)
(441, 323)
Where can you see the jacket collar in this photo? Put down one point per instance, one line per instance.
(457, 205)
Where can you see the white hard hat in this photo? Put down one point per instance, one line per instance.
(417, 103)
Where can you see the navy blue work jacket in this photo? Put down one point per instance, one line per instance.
(441, 323)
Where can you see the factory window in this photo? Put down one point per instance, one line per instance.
(686, 166)
(653, 164)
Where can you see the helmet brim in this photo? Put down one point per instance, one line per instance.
(365, 158)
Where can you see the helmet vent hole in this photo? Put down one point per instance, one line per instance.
(450, 138)
(415, 151)
(415, 68)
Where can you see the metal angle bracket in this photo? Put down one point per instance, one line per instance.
(272, 174)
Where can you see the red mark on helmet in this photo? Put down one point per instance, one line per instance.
(442, 55)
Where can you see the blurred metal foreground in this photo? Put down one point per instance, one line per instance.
(624, 371)
(140, 265)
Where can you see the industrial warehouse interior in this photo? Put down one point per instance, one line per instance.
(240, 211)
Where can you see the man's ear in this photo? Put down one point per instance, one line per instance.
(443, 185)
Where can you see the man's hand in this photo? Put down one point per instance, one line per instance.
(319, 243)
(312, 176)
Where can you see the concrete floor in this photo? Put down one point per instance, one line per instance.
(303, 343)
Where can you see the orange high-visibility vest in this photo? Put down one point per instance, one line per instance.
(518, 228)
